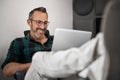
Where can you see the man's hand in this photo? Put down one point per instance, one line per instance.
(11, 68)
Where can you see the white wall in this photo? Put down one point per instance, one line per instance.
(14, 13)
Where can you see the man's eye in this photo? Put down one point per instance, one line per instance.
(46, 22)
(39, 22)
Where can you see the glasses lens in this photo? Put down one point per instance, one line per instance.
(46, 23)
(39, 22)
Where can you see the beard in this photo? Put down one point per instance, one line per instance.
(39, 33)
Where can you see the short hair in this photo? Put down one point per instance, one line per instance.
(41, 9)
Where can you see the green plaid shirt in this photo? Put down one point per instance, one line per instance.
(22, 49)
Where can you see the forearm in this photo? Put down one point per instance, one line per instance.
(11, 68)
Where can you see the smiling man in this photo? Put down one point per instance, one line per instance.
(22, 49)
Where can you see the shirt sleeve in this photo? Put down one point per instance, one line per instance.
(13, 53)
(63, 63)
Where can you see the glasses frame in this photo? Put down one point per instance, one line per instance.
(39, 22)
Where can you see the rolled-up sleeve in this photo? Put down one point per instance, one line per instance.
(13, 53)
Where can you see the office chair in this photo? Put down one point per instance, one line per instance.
(111, 32)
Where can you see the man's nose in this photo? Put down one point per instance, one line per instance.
(42, 26)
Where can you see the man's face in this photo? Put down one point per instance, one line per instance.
(38, 24)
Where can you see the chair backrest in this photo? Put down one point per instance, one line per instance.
(111, 30)
(26, 32)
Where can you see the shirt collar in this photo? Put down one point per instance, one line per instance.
(29, 37)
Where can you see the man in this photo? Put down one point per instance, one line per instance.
(22, 49)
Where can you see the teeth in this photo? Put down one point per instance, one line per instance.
(39, 31)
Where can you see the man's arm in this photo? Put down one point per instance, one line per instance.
(11, 68)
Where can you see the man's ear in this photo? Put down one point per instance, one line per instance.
(29, 22)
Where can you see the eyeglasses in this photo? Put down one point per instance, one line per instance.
(39, 22)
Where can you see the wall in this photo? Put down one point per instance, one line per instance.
(14, 13)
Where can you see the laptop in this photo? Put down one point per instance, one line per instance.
(67, 38)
